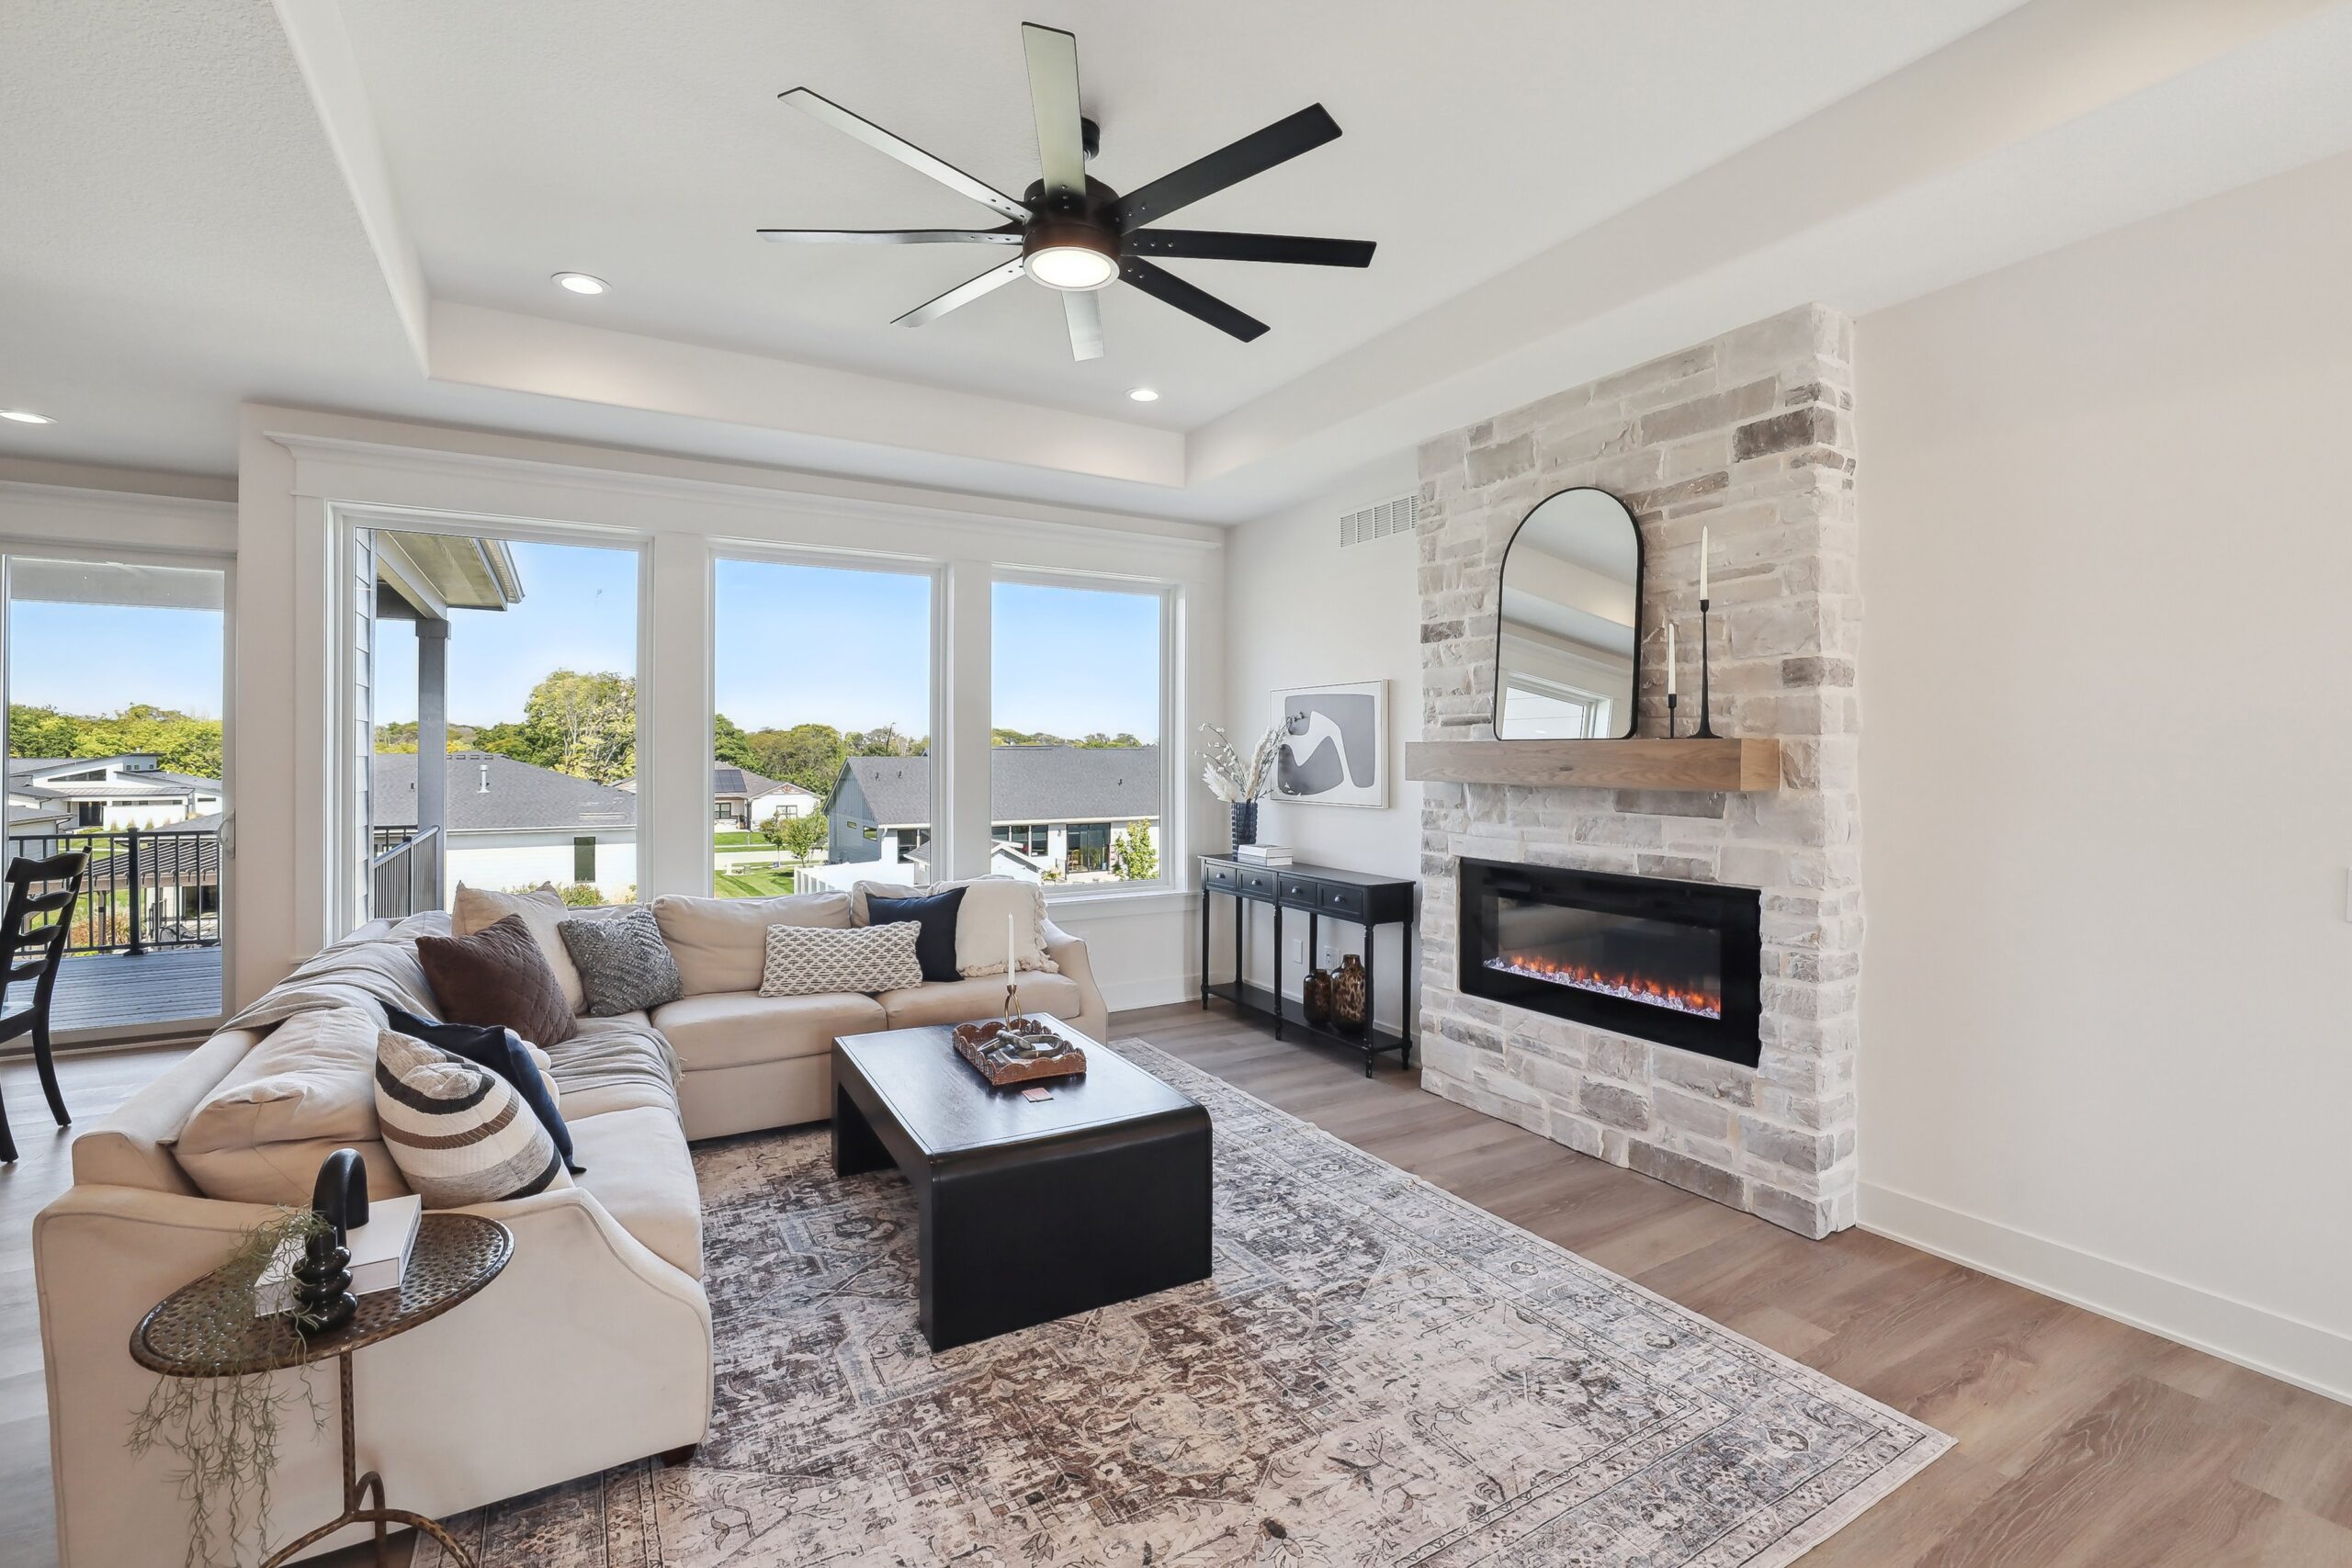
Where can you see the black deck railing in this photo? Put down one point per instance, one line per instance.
(146, 887)
(403, 872)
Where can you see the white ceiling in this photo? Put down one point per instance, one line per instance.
(357, 205)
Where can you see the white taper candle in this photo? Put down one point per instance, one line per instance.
(1703, 563)
(1008, 950)
(1670, 658)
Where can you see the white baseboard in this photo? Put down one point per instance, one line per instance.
(1122, 996)
(2276, 1345)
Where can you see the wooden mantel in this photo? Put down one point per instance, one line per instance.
(1599, 764)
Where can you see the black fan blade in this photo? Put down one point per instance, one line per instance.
(1083, 308)
(818, 107)
(894, 236)
(1053, 93)
(1230, 166)
(962, 294)
(1170, 290)
(1207, 245)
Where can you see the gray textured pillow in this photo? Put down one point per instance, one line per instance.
(625, 966)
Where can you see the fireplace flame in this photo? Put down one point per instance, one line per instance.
(1608, 982)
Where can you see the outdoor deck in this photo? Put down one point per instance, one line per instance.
(113, 990)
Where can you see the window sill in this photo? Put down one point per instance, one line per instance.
(1119, 903)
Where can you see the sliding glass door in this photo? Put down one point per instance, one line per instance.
(114, 674)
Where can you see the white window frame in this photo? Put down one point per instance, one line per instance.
(1170, 595)
(345, 894)
(932, 569)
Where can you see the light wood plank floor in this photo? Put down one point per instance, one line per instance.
(2082, 1442)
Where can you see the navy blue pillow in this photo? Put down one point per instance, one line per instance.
(500, 1050)
(935, 943)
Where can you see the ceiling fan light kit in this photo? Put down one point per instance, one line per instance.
(1077, 235)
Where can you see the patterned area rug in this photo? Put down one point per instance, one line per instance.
(1379, 1374)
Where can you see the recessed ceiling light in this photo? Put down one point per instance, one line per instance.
(1143, 394)
(580, 283)
(26, 416)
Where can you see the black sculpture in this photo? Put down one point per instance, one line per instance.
(323, 1298)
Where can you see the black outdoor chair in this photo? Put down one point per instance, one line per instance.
(62, 873)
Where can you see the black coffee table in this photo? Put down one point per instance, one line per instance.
(1030, 1210)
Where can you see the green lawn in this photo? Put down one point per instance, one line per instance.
(737, 840)
(751, 883)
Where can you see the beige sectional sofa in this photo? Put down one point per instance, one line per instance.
(591, 1349)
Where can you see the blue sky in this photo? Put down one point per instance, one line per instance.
(100, 659)
(800, 645)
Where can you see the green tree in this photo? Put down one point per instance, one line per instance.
(885, 741)
(1134, 857)
(181, 742)
(590, 720)
(730, 745)
(798, 837)
(809, 755)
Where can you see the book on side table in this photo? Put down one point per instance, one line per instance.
(1264, 854)
(379, 1251)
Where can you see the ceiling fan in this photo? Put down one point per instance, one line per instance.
(1077, 234)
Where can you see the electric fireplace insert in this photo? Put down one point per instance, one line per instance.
(1673, 961)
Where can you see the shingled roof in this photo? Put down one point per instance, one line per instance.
(520, 796)
(1027, 783)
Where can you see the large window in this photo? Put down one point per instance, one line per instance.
(821, 769)
(516, 661)
(1076, 777)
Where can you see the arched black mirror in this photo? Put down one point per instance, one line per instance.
(1568, 645)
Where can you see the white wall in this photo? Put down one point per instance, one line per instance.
(2107, 769)
(1301, 609)
(513, 861)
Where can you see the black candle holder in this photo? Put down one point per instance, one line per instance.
(1707, 730)
(1670, 700)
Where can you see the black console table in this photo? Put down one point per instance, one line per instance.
(1322, 892)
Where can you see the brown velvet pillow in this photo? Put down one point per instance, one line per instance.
(497, 976)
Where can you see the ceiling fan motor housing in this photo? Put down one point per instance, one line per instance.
(1070, 253)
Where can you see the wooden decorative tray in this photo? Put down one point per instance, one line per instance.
(994, 1052)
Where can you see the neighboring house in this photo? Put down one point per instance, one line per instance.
(514, 825)
(1054, 808)
(742, 799)
(132, 790)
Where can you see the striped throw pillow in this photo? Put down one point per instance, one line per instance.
(460, 1133)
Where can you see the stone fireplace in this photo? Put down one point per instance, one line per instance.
(1750, 436)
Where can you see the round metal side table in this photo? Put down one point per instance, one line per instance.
(455, 1256)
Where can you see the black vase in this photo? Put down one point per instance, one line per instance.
(1245, 822)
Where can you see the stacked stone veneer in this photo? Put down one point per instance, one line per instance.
(1751, 437)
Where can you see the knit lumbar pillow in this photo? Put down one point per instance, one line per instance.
(625, 966)
(460, 1133)
(811, 960)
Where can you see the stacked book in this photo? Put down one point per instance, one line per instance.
(379, 1252)
(1264, 854)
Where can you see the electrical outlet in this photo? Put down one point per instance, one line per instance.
(1297, 950)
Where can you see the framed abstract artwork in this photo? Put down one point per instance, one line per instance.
(1335, 744)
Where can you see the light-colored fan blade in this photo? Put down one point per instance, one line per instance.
(893, 236)
(1084, 308)
(818, 107)
(1053, 93)
(962, 294)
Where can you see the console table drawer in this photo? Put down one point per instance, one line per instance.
(1216, 875)
(1256, 881)
(1302, 892)
(1340, 899)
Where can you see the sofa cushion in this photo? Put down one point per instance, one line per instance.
(641, 1171)
(961, 1001)
(625, 966)
(721, 944)
(803, 962)
(988, 903)
(497, 976)
(934, 913)
(540, 910)
(503, 1052)
(736, 1029)
(304, 1090)
(610, 1066)
(459, 1130)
